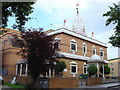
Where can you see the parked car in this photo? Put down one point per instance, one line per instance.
(83, 76)
(1, 80)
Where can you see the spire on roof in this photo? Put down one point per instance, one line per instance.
(78, 25)
(64, 25)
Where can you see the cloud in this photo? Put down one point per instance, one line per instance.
(66, 5)
(58, 26)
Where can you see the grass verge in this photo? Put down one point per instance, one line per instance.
(13, 85)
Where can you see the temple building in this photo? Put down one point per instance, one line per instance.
(75, 48)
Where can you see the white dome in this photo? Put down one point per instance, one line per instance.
(95, 57)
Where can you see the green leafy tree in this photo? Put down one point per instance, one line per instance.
(60, 66)
(106, 69)
(19, 10)
(38, 50)
(92, 70)
(114, 17)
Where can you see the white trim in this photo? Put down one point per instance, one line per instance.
(58, 42)
(85, 65)
(73, 63)
(75, 43)
(26, 69)
(21, 69)
(73, 56)
(49, 72)
(84, 53)
(62, 30)
(93, 48)
(101, 50)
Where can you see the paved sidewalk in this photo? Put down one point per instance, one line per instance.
(110, 85)
(111, 81)
(4, 86)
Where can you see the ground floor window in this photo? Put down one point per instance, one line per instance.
(18, 69)
(85, 68)
(73, 67)
(4, 71)
(22, 69)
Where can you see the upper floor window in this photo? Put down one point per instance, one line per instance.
(84, 49)
(73, 46)
(56, 44)
(15, 41)
(93, 50)
(101, 52)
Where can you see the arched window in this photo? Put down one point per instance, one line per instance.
(56, 44)
(73, 67)
(101, 53)
(84, 49)
(73, 45)
(93, 50)
(85, 68)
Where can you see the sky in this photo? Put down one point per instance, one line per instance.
(50, 14)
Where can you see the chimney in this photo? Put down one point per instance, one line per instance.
(92, 34)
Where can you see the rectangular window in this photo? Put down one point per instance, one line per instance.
(73, 69)
(112, 68)
(18, 71)
(84, 49)
(24, 69)
(15, 42)
(73, 46)
(101, 53)
(56, 44)
(85, 69)
(93, 52)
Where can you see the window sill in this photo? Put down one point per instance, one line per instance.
(73, 50)
(73, 73)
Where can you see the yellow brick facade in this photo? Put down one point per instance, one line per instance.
(114, 65)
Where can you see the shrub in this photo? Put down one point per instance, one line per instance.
(92, 70)
(106, 69)
(60, 66)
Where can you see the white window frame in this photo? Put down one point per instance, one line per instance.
(84, 45)
(93, 48)
(73, 63)
(75, 43)
(101, 50)
(85, 65)
(58, 40)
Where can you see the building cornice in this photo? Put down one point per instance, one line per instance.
(73, 56)
(72, 33)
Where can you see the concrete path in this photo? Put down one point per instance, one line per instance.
(3, 86)
(109, 85)
(111, 81)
